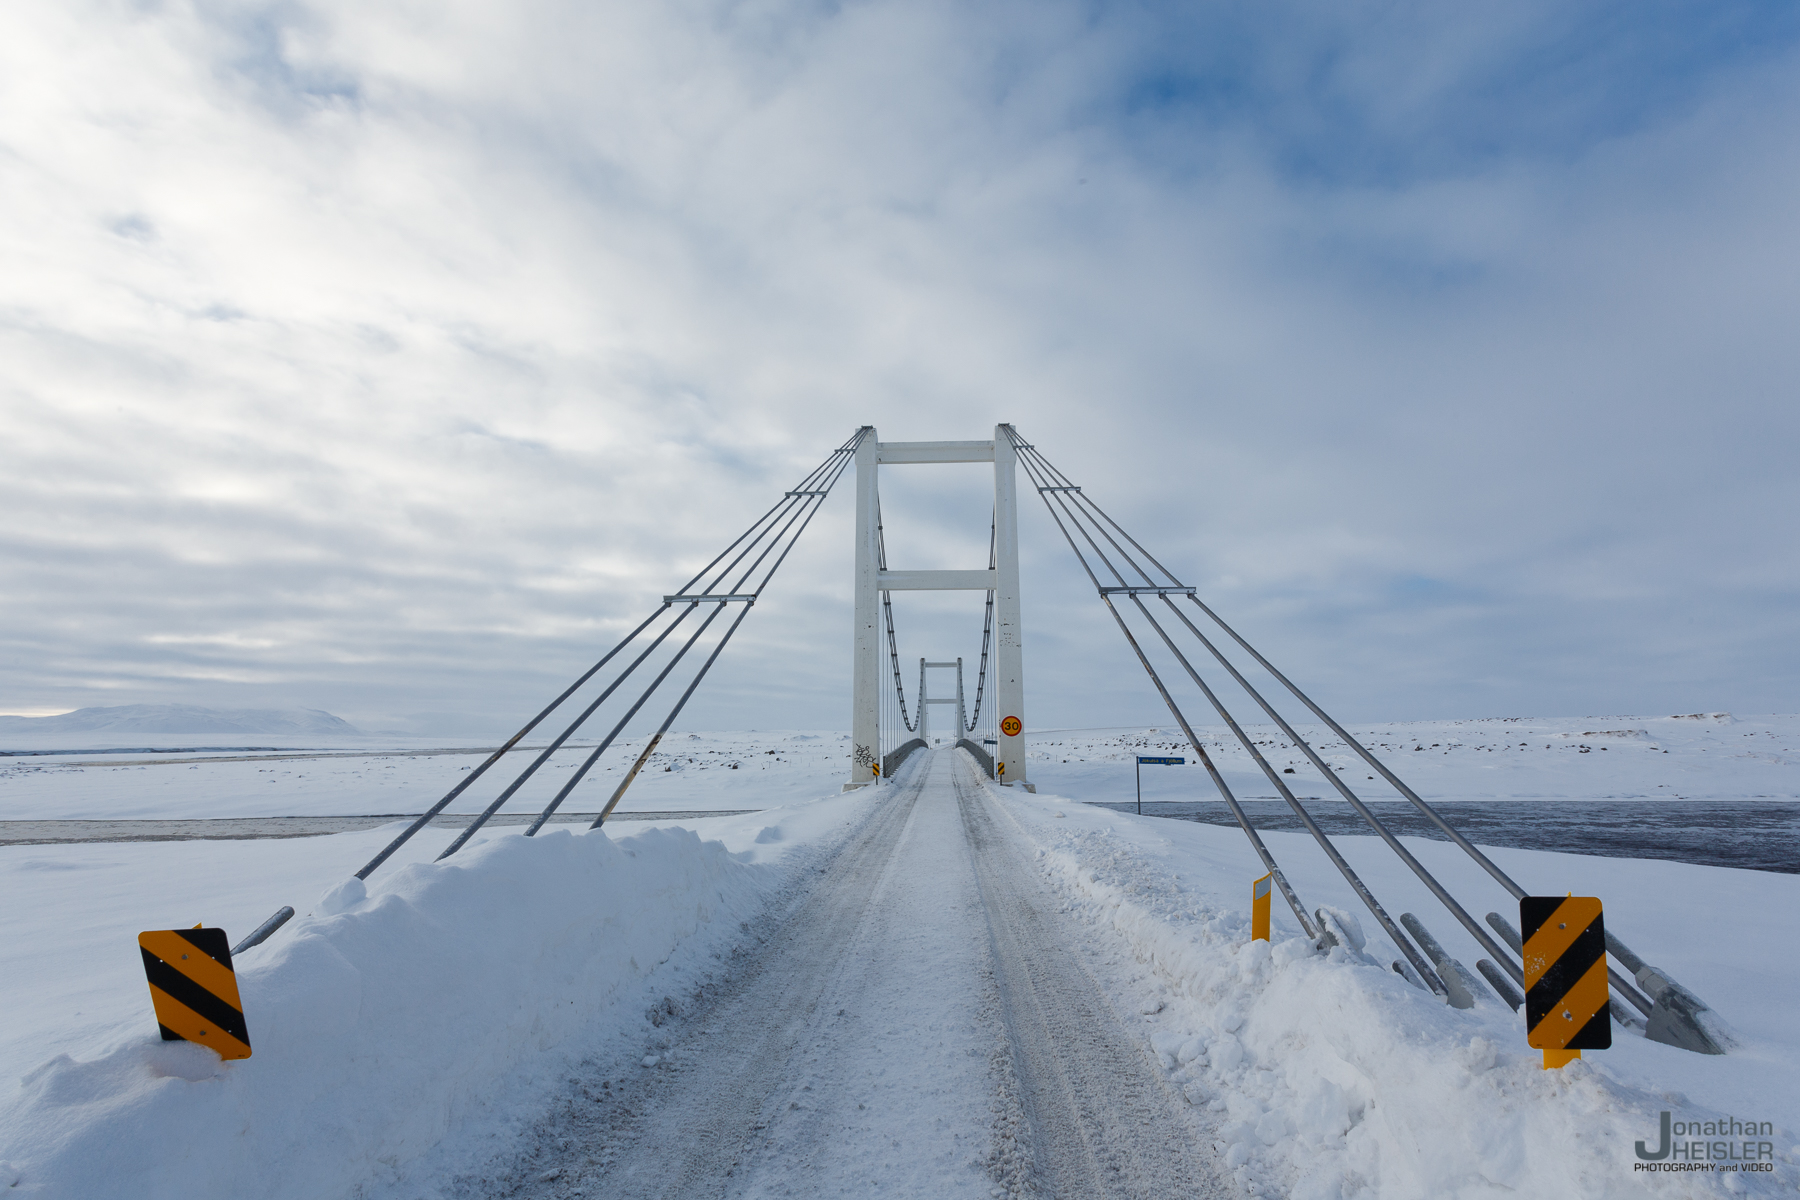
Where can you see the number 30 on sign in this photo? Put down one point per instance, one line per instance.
(1012, 726)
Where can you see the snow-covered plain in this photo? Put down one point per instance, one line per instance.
(459, 992)
(1699, 756)
(183, 720)
(313, 776)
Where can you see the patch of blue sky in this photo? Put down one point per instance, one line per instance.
(533, 446)
(1389, 265)
(1335, 99)
(1423, 591)
(261, 56)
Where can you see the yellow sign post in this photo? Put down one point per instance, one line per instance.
(1259, 909)
(1565, 976)
(194, 989)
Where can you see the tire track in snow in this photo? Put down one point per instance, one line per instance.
(1103, 1119)
(912, 1027)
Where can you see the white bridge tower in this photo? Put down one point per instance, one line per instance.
(871, 581)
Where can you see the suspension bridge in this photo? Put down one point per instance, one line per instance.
(1148, 604)
(1077, 1083)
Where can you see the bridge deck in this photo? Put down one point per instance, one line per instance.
(918, 1024)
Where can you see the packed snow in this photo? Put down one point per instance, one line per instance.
(455, 997)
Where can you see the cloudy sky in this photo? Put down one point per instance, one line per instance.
(388, 357)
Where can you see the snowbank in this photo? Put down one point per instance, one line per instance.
(1334, 1078)
(378, 1027)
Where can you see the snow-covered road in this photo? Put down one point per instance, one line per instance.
(935, 988)
(918, 1023)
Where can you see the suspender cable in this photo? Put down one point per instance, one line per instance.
(987, 635)
(1256, 842)
(887, 607)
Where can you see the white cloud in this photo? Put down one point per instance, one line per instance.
(388, 357)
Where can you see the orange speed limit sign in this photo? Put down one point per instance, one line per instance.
(1011, 726)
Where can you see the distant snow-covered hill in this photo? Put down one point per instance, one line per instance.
(180, 719)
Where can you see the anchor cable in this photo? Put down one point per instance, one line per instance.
(779, 526)
(1058, 490)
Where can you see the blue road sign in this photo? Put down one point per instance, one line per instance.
(1155, 762)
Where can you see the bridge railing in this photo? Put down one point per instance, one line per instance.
(979, 754)
(890, 762)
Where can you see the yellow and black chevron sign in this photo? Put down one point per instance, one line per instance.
(194, 989)
(1565, 973)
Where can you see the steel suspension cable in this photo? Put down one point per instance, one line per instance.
(650, 747)
(887, 607)
(1325, 843)
(987, 634)
(1624, 986)
(486, 814)
(1098, 515)
(844, 464)
(1068, 486)
(1399, 785)
(1073, 501)
(617, 728)
(1362, 751)
(495, 757)
(532, 769)
(816, 474)
(796, 500)
(803, 516)
(1437, 889)
(1237, 810)
(1069, 498)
